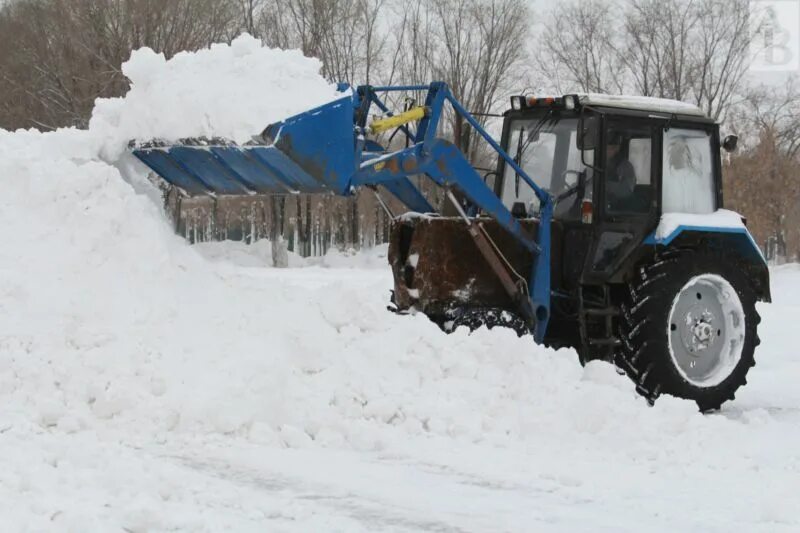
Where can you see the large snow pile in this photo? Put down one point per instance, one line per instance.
(130, 364)
(232, 91)
(86, 260)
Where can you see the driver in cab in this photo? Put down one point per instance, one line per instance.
(620, 174)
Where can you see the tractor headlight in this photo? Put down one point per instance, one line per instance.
(570, 101)
(516, 102)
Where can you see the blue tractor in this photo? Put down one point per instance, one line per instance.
(599, 228)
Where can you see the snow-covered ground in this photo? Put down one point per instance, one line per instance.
(257, 399)
(147, 385)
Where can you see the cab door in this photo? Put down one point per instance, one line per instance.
(625, 194)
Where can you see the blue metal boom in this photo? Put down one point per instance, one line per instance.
(326, 150)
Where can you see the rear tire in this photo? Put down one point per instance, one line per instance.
(688, 327)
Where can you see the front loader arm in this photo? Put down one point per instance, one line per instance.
(447, 166)
(326, 150)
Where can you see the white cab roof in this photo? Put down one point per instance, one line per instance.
(644, 103)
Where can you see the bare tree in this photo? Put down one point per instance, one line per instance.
(691, 50)
(772, 108)
(250, 10)
(62, 54)
(658, 37)
(721, 57)
(762, 184)
(341, 33)
(480, 44)
(578, 45)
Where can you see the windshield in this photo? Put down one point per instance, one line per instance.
(546, 149)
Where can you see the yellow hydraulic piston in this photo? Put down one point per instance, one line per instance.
(383, 124)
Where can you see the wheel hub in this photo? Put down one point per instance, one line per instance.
(701, 332)
(706, 330)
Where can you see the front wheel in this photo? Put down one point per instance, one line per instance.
(688, 327)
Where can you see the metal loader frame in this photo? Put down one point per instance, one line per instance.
(448, 167)
(326, 149)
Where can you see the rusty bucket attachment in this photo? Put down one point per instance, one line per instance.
(445, 282)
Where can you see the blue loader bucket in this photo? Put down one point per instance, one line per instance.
(312, 152)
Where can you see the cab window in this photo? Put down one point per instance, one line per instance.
(628, 168)
(546, 149)
(688, 172)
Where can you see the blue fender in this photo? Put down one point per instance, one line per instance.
(739, 238)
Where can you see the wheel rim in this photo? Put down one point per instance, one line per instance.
(706, 330)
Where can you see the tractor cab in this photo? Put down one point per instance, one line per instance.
(544, 142)
(568, 141)
(613, 165)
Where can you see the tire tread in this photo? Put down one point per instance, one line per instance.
(643, 353)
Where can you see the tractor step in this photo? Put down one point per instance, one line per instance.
(597, 322)
(610, 341)
(602, 312)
